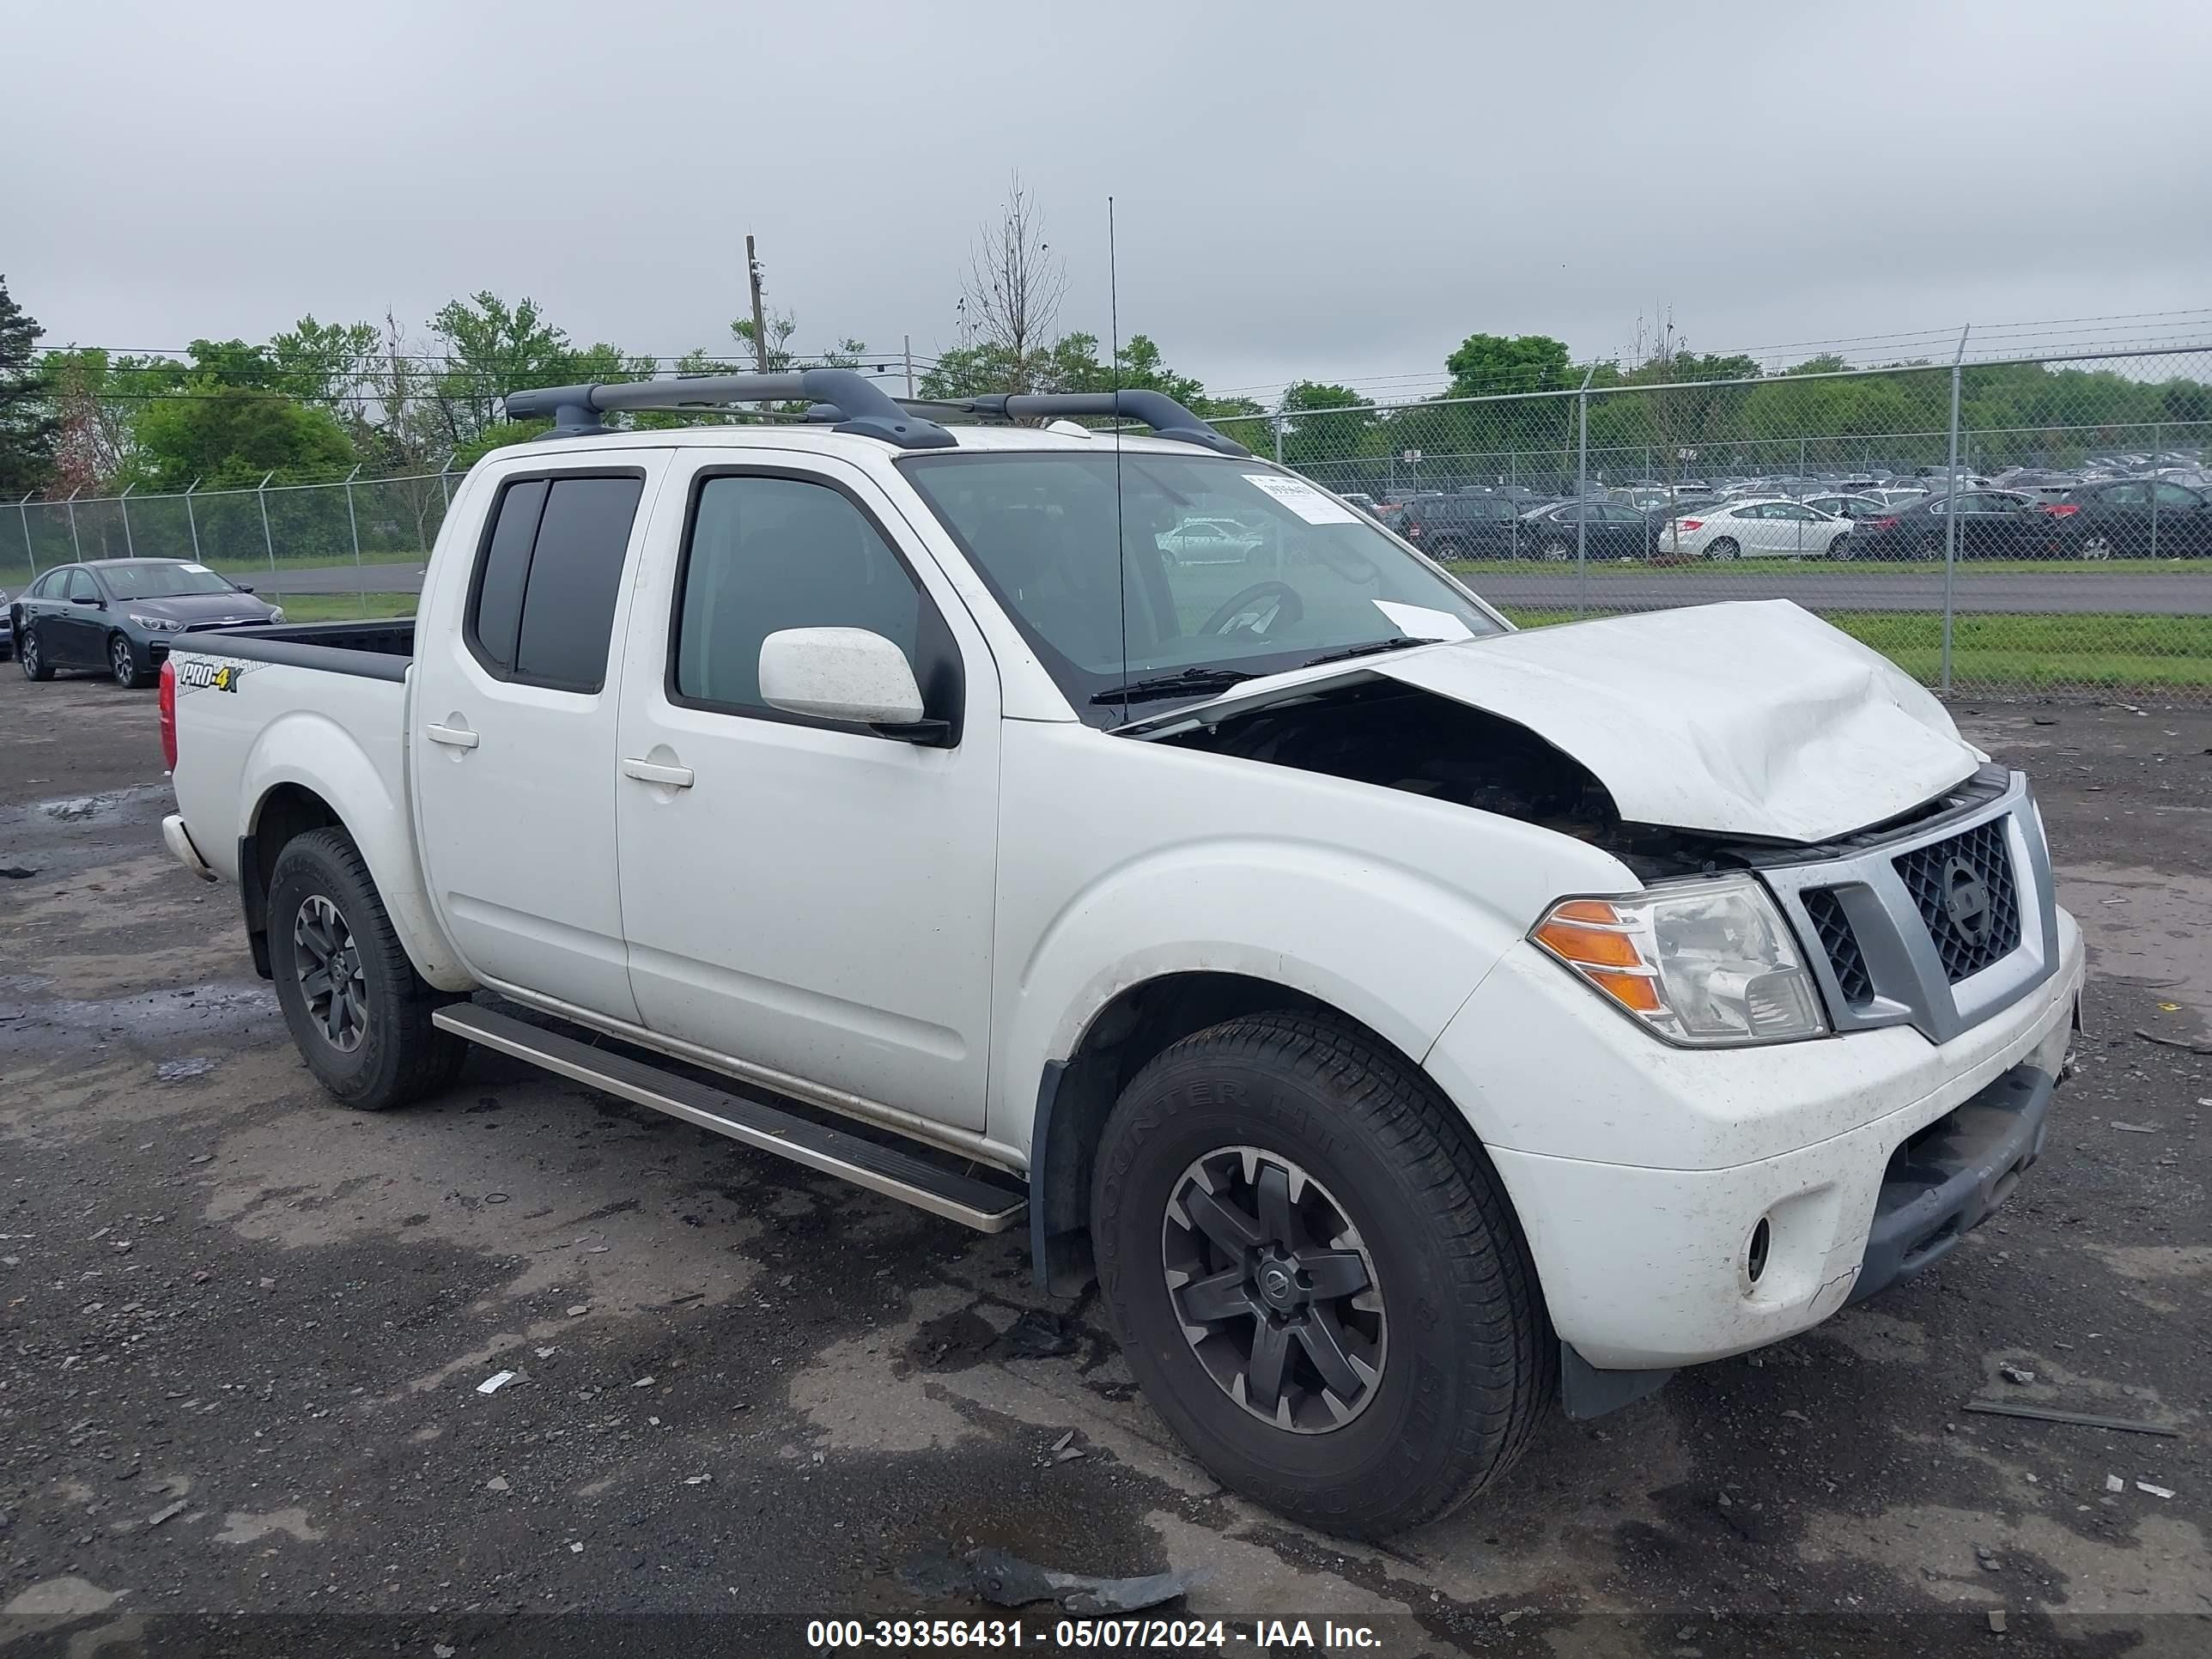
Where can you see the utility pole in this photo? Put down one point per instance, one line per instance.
(910, 365)
(760, 314)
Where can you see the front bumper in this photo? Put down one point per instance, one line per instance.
(1644, 1261)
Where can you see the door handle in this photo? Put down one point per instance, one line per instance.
(646, 771)
(453, 737)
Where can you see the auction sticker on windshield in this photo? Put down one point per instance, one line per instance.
(1301, 498)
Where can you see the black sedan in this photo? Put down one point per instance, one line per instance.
(1607, 529)
(118, 616)
(2132, 518)
(1993, 524)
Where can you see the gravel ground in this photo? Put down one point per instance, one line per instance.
(244, 1332)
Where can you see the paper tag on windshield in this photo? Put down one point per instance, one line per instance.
(1301, 498)
(199, 570)
(1417, 621)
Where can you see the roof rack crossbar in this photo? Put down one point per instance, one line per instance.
(1166, 417)
(859, 404)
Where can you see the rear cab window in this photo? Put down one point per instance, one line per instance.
(549, 572)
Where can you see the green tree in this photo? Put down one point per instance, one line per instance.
(27, 421)
(332, 364)
(1311, 434)
(228, 436)
(492, 349)
(1485, 364)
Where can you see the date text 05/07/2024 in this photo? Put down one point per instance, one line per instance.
(1128, 1635)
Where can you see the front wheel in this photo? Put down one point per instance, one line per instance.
(359, 1013)
(1841, 547)
(1316, 1276)
(123, 665)
(33, 656)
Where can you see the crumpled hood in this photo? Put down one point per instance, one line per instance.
(1748, 719)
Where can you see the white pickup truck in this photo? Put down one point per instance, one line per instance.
(1409, 1021)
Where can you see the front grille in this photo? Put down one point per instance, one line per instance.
(1826, 911)
(1965, 892)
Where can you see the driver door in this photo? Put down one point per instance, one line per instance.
(803, 894)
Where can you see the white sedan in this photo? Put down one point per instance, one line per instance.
(1758, 529)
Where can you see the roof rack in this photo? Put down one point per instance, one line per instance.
(1166, 417)
(850, 402)
(850, 399)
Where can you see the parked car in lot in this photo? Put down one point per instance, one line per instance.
(121, 616)
(1201, 541)
(2132, 518)
(1993, 524)
(1463, 526)
(1857, 507)
(1603, 530)
(1758, 529)
(7, 627)
(1404, 1019)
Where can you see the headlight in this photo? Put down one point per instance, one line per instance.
(1709, 963)
(158, 624)
(275, 613)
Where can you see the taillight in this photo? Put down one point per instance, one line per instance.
(1412, 532)
(1692, 524)
(2062, 509)
(1881, 524)
(169, 713)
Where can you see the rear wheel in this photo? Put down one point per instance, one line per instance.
(1723, 548)
(2097, 547)
(359, 1012)
(1316, 1276)
(123, 665)
(1556, 549)
(34, 656)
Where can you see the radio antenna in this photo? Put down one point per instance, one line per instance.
(1121, 543)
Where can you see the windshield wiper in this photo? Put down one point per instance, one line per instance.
(1184, 682)
(1366, 650)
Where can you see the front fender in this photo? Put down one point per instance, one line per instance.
(315, 752)
(1390, 945)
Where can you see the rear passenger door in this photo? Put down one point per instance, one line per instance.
(514, 727)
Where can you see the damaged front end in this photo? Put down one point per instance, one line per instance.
(1378, 731)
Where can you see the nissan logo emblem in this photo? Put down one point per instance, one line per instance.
(1967, 900)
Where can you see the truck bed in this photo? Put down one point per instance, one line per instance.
(377, 649)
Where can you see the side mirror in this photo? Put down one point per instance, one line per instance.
(845, 674)
(243, 587)
(91, 599)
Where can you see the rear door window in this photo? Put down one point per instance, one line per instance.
(548, 577)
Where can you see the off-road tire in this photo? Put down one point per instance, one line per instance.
(401, 1056)
(1470, 1361)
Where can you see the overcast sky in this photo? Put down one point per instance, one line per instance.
(1341, 191)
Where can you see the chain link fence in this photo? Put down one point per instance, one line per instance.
(2037, 527)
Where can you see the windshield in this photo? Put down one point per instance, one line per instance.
(1230, 566)
(161, 579)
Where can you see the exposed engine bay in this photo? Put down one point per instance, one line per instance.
(1397, 737)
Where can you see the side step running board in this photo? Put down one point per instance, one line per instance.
(986, 1206)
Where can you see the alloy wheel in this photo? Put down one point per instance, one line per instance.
(119, 660)
(1274, 1289)
(331, 978)
(28, 654)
